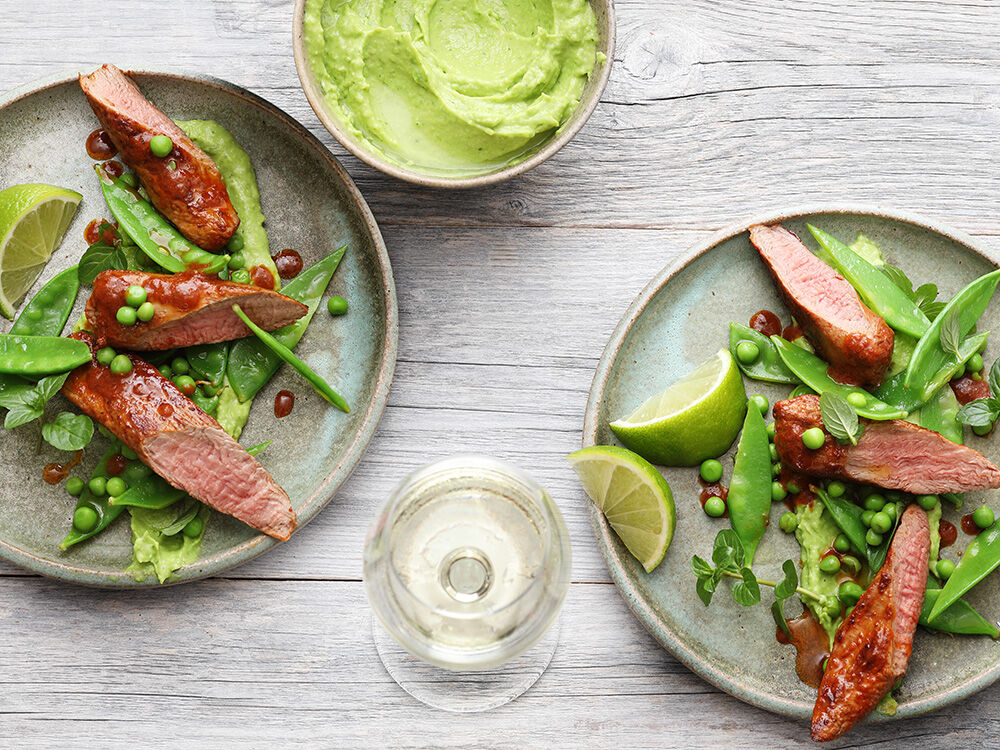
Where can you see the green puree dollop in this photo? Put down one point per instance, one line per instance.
(454, 87)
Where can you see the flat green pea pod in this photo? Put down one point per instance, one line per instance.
(252, 363)
(980, 558)
(895, 392)
(149, 492)
(105, 512)
(208, 404)
(875, 288)
(34, 356)
(768, 365)
(960, 618)
(847, 516)
(940, 414)
(208, 361)
(749, 498)
(965, 308)
(800, 390)
(812, 371)
(154, 235)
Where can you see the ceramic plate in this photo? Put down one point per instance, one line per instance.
(311, 205)
(680, 320)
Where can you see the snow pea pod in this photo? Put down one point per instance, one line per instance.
(875, 288)
(813, 372)
(106, 513)
(251, 363)
(749, 498)
(208, 361)
(960, 618)
(321, 386)
(895, 392)
(154, 235)
(33, 356)
(768, 365)
(47, 312)
(940, 414)
(929, 356)
(847, 516)
(980, 558)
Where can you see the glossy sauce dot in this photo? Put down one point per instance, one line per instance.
(55, 473)
(288, 263)
(283, 403)
(99, 146)
(116, 465)
(765, 322)
(114, 168)
(262, 276)
(165, 410)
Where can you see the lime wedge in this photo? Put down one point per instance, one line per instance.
(33, 220)
(698, 417)
(634, 497)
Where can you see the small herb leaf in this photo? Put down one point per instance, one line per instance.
(705, 588)
(900, 279)
(778, 613)
(787, 586)
(49, 386)
(747, 591)
(69, 432)
(728, 550)
(995, 379)
(951, 333)
(839, 418)
(701, 567)
(979, 413)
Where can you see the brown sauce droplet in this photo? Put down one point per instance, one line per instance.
(283, 403)
(114, 168)
(99, 146)
(804, 496)
(969, 526)
(116, 465)
(93, 232)
(948, 533)
(966, 389)
(289, 263)
(165, 410)
(766, 322)
(262, 276)
(55, 473)
(791, 333)
(812, 645)
(713, 489)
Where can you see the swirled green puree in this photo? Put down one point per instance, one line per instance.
(456, 87)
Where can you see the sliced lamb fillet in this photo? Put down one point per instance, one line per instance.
(180, 442)
(192, 194)
(191, 309)
(893, 454)
(872, 647)
(854, 340)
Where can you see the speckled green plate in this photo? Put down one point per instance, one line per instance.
(311, 205)
(679, 320)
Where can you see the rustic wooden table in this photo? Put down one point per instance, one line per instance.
(716, 109)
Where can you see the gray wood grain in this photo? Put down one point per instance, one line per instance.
(716, 109)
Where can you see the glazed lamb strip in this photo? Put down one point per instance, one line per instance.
(872, 647)
(191, 309)
(180, 442)
(854, 340)
(192, 194)
(893, 454)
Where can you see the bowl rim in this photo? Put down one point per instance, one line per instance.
(579, 118)
(603, 534)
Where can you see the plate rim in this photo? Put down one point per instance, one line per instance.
(324, 493)
(602, 531)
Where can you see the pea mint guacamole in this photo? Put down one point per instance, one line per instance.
(815, 533)
(456, 87)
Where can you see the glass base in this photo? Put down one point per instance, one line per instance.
(464, 692)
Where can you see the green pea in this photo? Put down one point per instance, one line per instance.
(867, 516)
(776, 469)
(115, 486)
(833, 607)
(890, 510)
(98, 485)
(788, 522)
(874, 502)
(983, 517)
(849, 592)
(185, 383)
(836, 489)
(715, 507)
(770, 431)
(129, 179)
(927, 502)
(126, 315)
(881, 523)
(338, 306)
(774, 453)
(129, 453)
(851, 564)
(842, 543)
(857, 400)
(85, 518)
(105, 355)
(180, 366)
(240, 275)
(711, 470)
(747, 352)
(165, 371)
(195, 526)
(960, 371)
(944, 569)
(975, 362)
(873, 538)
(237, 260)
(135, 471)
(235, 244)
(756, 399)
(121, 365)
(161, 145)
(146, 312)
(792, 488)
(982, 430)
(211, 389)
(74, 486)
(813, 438)
(830, 564)
(135, 295)
(778, 492)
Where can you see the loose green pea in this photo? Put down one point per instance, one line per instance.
(161, 145)
(881, 523)
(85, 518)
(857, 400)
(890, 510)
(115, 486)
(105, 355)
(129, 179)
(830, 564)
(867, 516)
(813, 438)
(135, 295)
(851, 564)
(778, 492)
(927, 502)
(98, 485)
(960, 371)
(196, 525)
(873, 538)
(121, 365)
(165, 371)
(74, 486)
(842, 543)
(180, 366)
(185, 383)
(792, 488)
(874, 502)
(836, 489)
(983, 517)
(849, 592)
(788, 522)
(975, 362)
(235, 244)
(770, 431)
(982, 430)
(747, 352)
(776, 469)
(135, 471)
(146, 312)
(944, 569)
(126, 315)
(756, 399)
(977, 376)
(338, 306)
(240, 275)
(715, 507)
(237, 260)
(711, 470)
(774, 453)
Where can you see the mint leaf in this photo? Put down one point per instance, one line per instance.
(705, 588)
(747, 591)
(900, 279)
(702, 568)
(979, 413)
(24, 409)
(995, 379)
(69, 432)
(950, 335)
(49, 386)
(13, 395)
(728, 550)
(789, 583)
(839, 418)
(932, 309)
